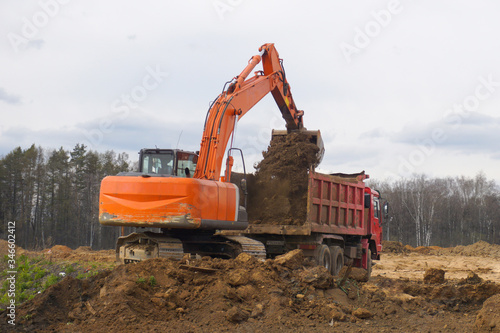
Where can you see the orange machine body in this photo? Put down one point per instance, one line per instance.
(169, 202)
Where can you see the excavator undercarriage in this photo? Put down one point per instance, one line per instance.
(147, 245)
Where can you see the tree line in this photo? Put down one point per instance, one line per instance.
(442, 211)
(53, 196)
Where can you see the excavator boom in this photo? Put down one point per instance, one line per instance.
(241, 95)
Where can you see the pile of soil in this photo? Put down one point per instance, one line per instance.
(394, 247)
(4, 247)
(480, 248)
(488, 319)
(83, 253)
(423, 249)
(278, 192)
(247, 295)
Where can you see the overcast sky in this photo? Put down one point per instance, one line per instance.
(396, 87)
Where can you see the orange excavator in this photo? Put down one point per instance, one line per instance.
(183, 193)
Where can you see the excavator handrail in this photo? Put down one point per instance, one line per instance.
(234, 102)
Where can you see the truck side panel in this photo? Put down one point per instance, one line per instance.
(336, 205)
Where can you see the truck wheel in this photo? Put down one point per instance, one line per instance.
(323, 256)
(337, 260)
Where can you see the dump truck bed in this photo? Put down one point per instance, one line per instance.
(335, 205)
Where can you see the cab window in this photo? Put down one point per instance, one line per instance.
(159, 163)
(376, 208)
(186, 164)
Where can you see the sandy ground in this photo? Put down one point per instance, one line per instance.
(413, 266)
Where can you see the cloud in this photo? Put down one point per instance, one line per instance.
(10, 99)
(131, 132)
(36, 44)
(124, 135)
(374, 134)
(466, 133)
(24, 137)
(367, 111)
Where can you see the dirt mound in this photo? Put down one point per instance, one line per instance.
(86, 254)
(84, 249)
(81, 254)
(60, 249)
(278, 192)
(4, 247)
(480, 248)
(488, 319)
(449, 293)
(434, 276)
(472, 278)
(394, 247)
(424, 249)
(208, 292)
(214, 295)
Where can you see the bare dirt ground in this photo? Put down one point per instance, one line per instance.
(411, 263)
(408, 292)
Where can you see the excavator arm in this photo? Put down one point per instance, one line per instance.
(241, 95)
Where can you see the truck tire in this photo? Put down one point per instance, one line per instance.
(323, 256)
(337, 260)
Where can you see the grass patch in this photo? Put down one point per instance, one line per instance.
(52, 279)
(152, 281)
(27, 281)
(36, 274)
(69, 269)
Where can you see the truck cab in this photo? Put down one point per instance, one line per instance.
(375, 213)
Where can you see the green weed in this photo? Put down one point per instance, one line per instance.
(152, 281)
(52, 279)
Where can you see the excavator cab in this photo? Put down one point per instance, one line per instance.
(167, 162)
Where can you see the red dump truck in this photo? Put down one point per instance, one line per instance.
(343, 224)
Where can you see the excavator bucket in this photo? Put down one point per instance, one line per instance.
(313, 136)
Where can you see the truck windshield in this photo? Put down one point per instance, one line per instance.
(158, 162)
